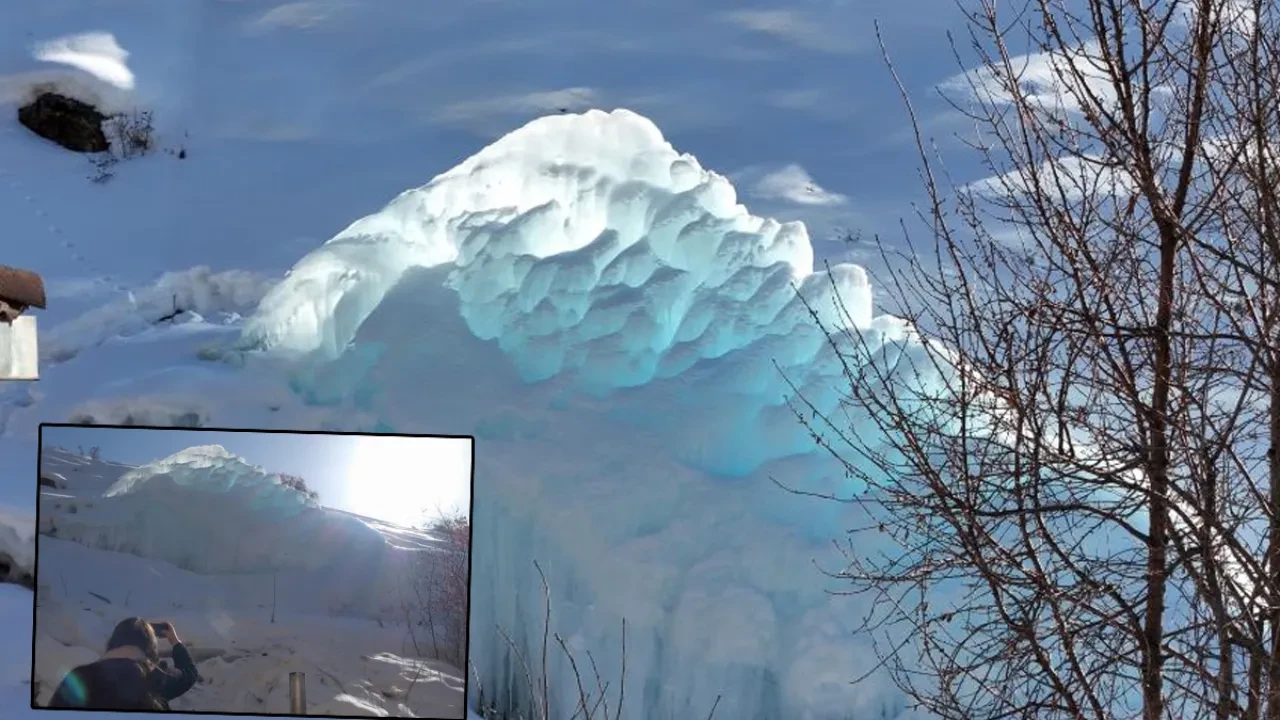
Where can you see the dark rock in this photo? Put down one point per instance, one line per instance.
(10, 572)
(74, 125)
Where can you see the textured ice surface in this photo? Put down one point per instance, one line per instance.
(193, 294)
(616, 328)
(579, 241)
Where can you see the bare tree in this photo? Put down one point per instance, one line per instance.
(435, 590)
(1064, 469)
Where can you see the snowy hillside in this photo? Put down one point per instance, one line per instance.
(259, 579)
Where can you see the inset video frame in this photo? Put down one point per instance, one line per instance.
(423, 674)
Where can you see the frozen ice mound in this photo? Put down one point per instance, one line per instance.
(207, 510)
(587, 248)
(214, 469)
(578, 241)
(581, 257)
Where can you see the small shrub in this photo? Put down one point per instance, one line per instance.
(436, 593)
(293, 482)
(132, 134)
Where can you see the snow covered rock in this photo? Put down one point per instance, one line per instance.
(574, 230)
(75, 125)
(17, 555)
(629, 338)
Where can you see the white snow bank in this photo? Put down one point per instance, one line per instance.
(82, 476)
(187, 410)
(15, 651)
(192, 293)
(96, 53)
(89, 67)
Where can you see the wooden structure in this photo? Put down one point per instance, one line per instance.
(298, 693)
(19, 290)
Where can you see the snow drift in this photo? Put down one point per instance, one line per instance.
(655, 329)
(579, 242)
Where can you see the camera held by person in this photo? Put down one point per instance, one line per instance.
(129, 676)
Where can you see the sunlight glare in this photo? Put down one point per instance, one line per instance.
(404, 480)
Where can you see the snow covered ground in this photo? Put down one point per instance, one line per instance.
(17, 551)
(270, 584)
(591, 302)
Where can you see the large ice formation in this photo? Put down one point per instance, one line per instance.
(616, 328)
(209, 511)
(580, 241)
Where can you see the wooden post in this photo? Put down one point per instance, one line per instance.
(297, 693)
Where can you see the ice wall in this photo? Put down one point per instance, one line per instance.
(574, 229)
(586, 246)
(209, 511)
(624, 337)
(214, 469)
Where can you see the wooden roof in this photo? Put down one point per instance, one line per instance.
(22, 287)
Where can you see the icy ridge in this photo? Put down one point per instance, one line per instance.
(213, 468)
(589, 254)
(580, 242)
(209, 511)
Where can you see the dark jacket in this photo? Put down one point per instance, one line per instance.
(126, 684)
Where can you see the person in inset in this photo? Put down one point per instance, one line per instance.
(129, 676)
